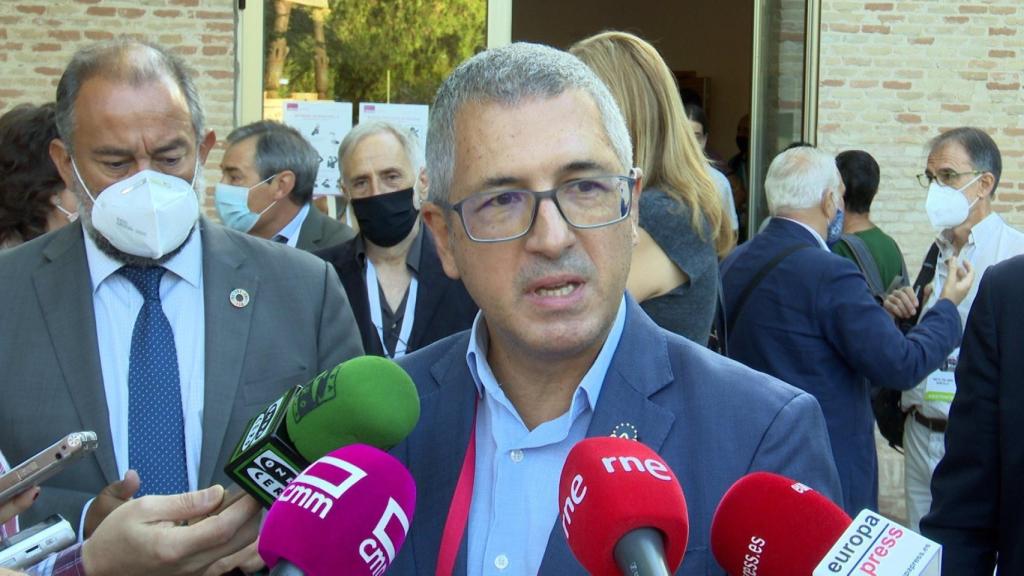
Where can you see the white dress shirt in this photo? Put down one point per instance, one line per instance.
(291, 229)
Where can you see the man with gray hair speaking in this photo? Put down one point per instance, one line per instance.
(531, 204)
(266, 188)
(806, 316)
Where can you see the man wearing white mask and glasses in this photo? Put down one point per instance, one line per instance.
(143, 321)
(269, 171)
(963, 170)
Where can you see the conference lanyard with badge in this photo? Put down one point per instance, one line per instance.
(940, 386)
(377, 316)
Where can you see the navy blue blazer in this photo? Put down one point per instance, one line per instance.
(443, 306)
(812, 322)
(978, 506)
(711, 419)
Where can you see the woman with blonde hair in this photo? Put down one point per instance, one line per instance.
(684, 228)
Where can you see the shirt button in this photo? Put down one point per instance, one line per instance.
(501, 562)
(516, 455)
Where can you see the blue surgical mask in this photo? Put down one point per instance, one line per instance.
(233, 206)
(835, 228)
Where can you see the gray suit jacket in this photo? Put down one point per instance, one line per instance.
(298, 323)
(712, 420)
(321, 231)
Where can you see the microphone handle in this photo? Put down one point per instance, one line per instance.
(641, 552)
(286, 568)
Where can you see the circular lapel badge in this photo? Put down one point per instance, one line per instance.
(239, 298)
(625, 430)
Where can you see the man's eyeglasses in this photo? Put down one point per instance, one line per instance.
(500, 215)
(945, 177)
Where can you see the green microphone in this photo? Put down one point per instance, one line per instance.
(365, 400)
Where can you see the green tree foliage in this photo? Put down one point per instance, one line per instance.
(418, 41)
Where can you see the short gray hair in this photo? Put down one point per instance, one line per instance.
(278, 148)
(365, 129)
(980, 148)
(509, 75)
(133, 61)
(797, 178)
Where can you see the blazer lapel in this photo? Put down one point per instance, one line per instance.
(64, 288)
(448, 415)
(311, 231)
(639, 369)
(227, 335)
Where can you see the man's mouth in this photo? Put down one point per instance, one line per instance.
(557, 290)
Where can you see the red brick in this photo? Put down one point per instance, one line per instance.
(65, 35)
(220, 74)
(1003, 86)
(1013, 131)
(211, 15)
(88, 1)
(45, 47)
(215, 26)
(215, 50)
(927, 40)
(100, 11)
(863, 83)
(167, 13)
(1001, 54)
(875, 29)
(956, 107)
(973, 9)
(896, 85)
(891, 18)
(908, 118)
(828, 128)
(839, 27)
(97, 35)
(184, 2)
(1002, 32)
(131, 12)
(957, 20)
(31, 9)
(47, 71)
(879, 6)
(985, 64)
(11, 93)
(1002, 10)
(974, 75)
(184, 50)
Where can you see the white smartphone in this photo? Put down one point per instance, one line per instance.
(36, 542)
(42, 466)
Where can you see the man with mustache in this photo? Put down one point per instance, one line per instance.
(143, 321)
(532, 205)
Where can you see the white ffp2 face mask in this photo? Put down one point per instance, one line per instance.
(946, 206)
(148, 214)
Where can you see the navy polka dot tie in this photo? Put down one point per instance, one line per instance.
(156, 423)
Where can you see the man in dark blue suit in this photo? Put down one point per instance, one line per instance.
(806, 316)
(530, 203)
(978, 508)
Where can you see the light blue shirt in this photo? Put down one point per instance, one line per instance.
(117, 302)
(291, 230)
(515, 485)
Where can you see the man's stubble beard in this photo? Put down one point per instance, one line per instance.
(85, 213)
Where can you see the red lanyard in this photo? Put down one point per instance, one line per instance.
(458, 513)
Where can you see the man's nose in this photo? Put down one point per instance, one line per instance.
(551, 235)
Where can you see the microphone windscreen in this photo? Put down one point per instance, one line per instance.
(347, 513)
(771, 525)
(365, 400)
(611, 486)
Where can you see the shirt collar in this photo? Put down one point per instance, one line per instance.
(981, 232)
(591, 384)
(187, 264)
(412, 259)
(821, 241)
(291, 230)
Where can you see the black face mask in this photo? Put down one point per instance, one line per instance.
(386, 219)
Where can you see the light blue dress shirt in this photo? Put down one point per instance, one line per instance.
(117, 303)
(291, 230)
(515, 485)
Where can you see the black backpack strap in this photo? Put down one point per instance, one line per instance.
(745, 295)
(866, 263)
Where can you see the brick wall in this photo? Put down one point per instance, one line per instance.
(38, 37)
(895, 73)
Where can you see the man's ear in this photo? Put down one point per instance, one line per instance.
(988, 184)
(62, 160)
(206, 145)
(435, 219)
(284, 183)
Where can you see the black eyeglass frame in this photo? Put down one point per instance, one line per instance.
(551, 195)
(925, 179)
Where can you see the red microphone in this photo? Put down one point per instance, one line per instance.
(770, 525)
(622, 509)
(347, 513)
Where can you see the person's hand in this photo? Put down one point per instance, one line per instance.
(247, 560)
(901, 303)
(146, 537)
(112, 496)
(959, 282)
(18, 504)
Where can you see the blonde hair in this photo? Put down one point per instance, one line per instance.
(663, 144)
